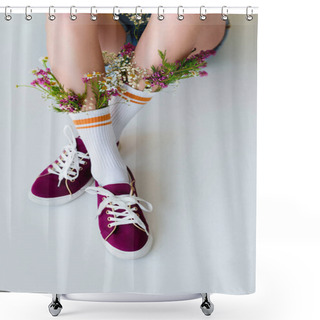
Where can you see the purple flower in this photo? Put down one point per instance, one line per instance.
(34, 82)
(203, 73)
(41, 72)
(127, 49)
(73, 98)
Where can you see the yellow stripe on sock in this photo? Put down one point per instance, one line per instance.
(92, 120)
(95, 125)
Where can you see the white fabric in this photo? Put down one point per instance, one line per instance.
(107, 166)
(117, 202)
(68, 163)
(122, 111)
(200, 179)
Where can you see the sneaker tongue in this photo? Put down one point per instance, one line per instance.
(80, 145)
(118, 188)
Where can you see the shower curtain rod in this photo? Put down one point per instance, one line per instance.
(127, 9)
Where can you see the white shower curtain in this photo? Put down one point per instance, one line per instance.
(192, 151)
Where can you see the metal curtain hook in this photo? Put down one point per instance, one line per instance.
(73, 17)
(51, 16)
(28, 16)
(249, 17)
(224, 13)
(180, 15)
(116, 15)
(160, 16)
(93, 16)
(203, 16)
(138, 15)
(7, 16)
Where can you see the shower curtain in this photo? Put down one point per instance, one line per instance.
(191, 150)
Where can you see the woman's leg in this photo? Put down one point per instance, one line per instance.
(111, 33)
(74, 48)
(178, 38)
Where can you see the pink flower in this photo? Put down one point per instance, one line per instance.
(203, 73)
(34, 82)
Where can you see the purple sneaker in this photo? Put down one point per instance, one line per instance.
(123, 227)
(66, 178)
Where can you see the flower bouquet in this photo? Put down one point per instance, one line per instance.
(125, 70)
(122, 68)
(167, 73)
(102, 87)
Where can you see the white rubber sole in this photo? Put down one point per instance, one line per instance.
(60, 200)
(129, 255)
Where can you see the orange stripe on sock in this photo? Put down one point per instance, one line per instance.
(96, 125)
(132, 100)
(93, 120)
(133, 96)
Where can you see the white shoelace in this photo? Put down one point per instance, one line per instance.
(115, 202)
(68, 163)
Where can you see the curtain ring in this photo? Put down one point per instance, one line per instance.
(224, 14)
(138, 15)
(51, 16)
(249, 17)
(116, 15)
(93, 16)
(7, 16)
(160, 16)
(73, 17)
(28, 16)
(180, 15)
(203, 16)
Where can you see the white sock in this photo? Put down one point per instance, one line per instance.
(125, 106)
(95, 129)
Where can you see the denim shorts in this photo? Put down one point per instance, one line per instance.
(133, 33)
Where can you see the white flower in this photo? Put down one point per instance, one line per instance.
(43, 59)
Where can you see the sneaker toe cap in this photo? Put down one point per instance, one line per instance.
(47, 187)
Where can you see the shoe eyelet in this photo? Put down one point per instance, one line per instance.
(109, 226)
(108, 218)
(81, 169)
(85, 163)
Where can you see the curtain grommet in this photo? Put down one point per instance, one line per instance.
(73, 16)
(249, 17)
(224, 13)
(116, 15)
(203, 15)
(93, 16)
(7, 16)
(51, 16)
(160, 16)
(138, 15)
(28, 16)
(180, 15)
